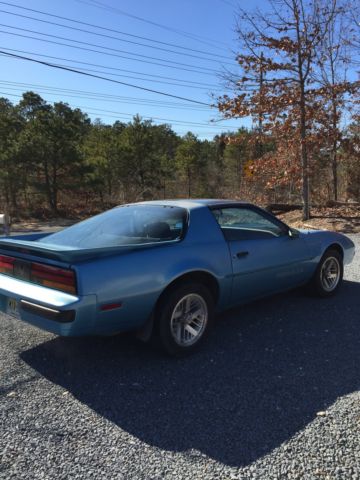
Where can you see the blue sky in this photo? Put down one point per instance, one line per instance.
(210, 21)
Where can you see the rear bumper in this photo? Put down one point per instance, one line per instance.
(62, 316)
(51, 310)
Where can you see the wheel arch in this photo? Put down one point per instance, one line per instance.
(201, 276)
(337, 247)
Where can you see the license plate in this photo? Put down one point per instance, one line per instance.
(12, 308)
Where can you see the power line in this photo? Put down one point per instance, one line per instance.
(169, 122)
(100, 52)
(100, 96)
(113, 30)
(21, 57)
(130, 102)
(108, 73)
(228, 2)
(112, 37)
(194, 68)
(193, 36)
(121, 76)
(150, 117)
(185, 83)
(124, 115)
(86, 92)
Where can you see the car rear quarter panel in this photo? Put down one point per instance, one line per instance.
(136, 279)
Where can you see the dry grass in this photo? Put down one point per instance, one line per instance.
(344, 219)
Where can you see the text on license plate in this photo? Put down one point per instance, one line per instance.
(12, 308)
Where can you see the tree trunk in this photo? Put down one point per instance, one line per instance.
(47, 183)
(189, 183)
(305, 180)
(14, 203)
(334, 172)
(303, 138)
(51, 190)
(304, 155)
(334, 149)
(7, 216)
(55, 186)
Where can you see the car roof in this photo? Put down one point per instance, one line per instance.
(191, 203)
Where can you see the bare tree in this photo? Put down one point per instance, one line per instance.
(334, 59)
(281, 46)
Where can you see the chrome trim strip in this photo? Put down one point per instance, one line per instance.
(39, 307)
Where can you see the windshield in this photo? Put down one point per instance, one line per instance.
(125, 225)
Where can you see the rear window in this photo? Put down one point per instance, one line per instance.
(125, 225)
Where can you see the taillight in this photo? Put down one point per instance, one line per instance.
(6, 264)
(53, 277)
(46, 275)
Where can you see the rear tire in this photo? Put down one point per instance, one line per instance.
(328, 276)
(183, 318)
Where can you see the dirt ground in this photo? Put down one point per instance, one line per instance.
(344, 219)
(37, 226)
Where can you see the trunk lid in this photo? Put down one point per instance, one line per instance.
(65, 254)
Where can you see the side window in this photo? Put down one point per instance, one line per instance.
(246, 224)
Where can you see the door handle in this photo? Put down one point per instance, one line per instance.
(241, 254)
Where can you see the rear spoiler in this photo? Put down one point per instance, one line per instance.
(66, 254)
(15, 246)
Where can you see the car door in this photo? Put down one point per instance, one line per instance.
(265, 258)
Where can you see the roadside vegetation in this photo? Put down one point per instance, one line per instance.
(296, 80)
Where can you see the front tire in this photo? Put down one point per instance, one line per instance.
(329, 274)
(183, 318)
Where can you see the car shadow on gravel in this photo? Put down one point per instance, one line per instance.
(265, 372)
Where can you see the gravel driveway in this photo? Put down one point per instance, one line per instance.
(274, 395)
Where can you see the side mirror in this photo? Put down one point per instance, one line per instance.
(293, 233)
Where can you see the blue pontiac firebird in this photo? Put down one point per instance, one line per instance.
(162, 268)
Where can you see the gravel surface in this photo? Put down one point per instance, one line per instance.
(273, 395)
